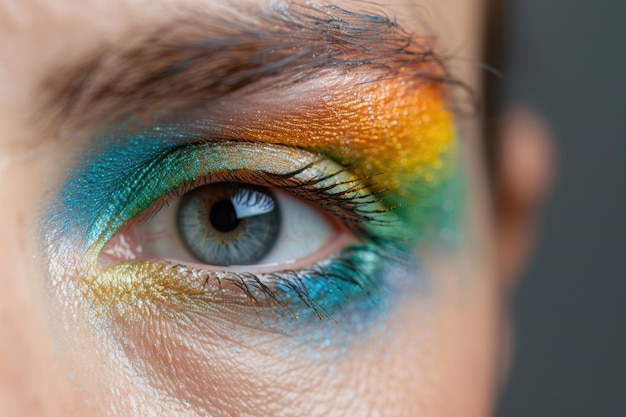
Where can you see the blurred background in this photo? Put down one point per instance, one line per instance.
(567, 59)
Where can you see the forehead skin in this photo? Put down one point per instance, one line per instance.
(452, 375)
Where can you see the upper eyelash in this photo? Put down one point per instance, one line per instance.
(359, 205)
(350, 195)
(347, 205)
(124, 206)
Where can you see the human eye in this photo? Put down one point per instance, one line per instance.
(268, 222)
(325, 234)
(138, 212)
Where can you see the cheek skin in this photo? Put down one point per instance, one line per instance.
(29, 366)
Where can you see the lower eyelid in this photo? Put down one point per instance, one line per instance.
(353, 276)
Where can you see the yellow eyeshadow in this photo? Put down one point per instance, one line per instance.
(133, 290)
(388, 127)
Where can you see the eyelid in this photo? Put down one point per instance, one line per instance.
(190, 165)
(352, 273)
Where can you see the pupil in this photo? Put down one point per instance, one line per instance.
(223, 216)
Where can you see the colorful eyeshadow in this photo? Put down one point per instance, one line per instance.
(396, 134)
(382, 153)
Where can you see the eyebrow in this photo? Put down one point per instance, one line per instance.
(198, 58)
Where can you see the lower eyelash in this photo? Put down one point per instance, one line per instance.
(356, 273)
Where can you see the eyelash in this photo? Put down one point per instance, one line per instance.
(286, 288)
(350, 205)
(353, 273)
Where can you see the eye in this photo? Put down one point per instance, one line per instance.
(232, 224)
(244, 224)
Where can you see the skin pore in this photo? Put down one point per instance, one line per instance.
(425, 338)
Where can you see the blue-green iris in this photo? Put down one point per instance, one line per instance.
(229, 224)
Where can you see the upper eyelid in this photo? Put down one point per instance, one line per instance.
(361, 202)
(185, 63)
(126, 205)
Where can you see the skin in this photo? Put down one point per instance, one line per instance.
(447, 362)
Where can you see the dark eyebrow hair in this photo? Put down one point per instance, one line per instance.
(196, 58)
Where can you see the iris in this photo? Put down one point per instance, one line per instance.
(229, 224)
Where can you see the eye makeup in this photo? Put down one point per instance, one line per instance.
(379, 157)
(397, 133)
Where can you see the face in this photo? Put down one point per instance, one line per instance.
(259, 208)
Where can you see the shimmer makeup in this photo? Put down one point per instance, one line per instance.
(379, 160)
(370, 146)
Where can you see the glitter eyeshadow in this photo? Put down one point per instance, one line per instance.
(391, 136)
(399, 134)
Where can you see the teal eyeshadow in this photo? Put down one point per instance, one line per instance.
(100, 176)
(434, 211)
(161, 175)
(356, 277)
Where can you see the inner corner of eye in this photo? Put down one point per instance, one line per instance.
(231, 226)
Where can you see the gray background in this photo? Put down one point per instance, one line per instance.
(567, 59)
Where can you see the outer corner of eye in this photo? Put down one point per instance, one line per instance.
(234, 226)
